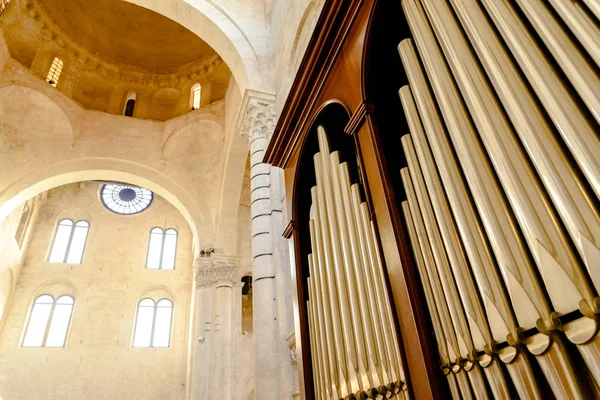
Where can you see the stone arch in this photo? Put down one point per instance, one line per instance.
(6, 286)
(30, 117)
(219, 30)
(193, 209)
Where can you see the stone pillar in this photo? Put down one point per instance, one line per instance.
(216, 278)
(272, 377)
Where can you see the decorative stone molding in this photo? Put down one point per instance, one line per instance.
(216, 268)
(110, 69)
(257, 117)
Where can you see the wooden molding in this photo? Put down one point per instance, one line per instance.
(358, 117)
(332, 28)
(290, 228)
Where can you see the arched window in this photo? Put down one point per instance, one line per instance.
(129, 104)
(55, 71)
(49, 322)
(195, 96)
(162, 248)
(153, 323)
(69, 242)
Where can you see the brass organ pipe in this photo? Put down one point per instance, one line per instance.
(541, 228)
(327, 337)
(333, 250)
(568, 56)
(441, 261)
(310, 304)
(561, 182)
(429, 299)
(358, 308)
(582, 26)
(475, 330)
(392, 340)
(429, 190)
(498, 309)
(325, 347)
(342, 373)
(584, 229)
(456, 351)
(401, 383)
(370, 316)
(498, 221)
(390, 343)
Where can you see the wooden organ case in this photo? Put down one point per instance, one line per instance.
(442, 166)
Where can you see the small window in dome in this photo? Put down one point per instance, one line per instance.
(125, 199)
(129, 104)
(55, 71)
(195, 96)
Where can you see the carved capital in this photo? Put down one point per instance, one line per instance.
(257, 117)
(216, 268)
(203, 272)
(225, 268)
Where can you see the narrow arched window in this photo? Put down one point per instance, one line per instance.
(55, 71)
(69, 242)
(162, 249)
(153, 323)
(49, 321)
(195, 96)
(129, 104)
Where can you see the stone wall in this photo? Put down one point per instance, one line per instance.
(98, 361)
(96, 84)
(292, 25)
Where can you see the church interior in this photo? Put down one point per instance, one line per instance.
(299, 199)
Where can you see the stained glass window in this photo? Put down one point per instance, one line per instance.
(125, 199)
(49, 322)
(69, 242)
(153, 323)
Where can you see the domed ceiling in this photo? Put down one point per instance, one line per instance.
(124, 33)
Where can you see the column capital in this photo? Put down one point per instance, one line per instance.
(257, 117)
(216, 268)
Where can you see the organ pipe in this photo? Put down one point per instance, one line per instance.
(356, 353)
(502, 186)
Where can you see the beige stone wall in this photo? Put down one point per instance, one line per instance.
(292, 25)
(15, 235)
(46, 140)
(98, 361)
(34, 41)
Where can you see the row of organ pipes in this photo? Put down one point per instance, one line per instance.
(503, 186)
(355, 350)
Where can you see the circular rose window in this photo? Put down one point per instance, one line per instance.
(125, 199)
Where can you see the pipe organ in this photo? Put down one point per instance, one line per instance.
(475, 127)
(356, 353)
(502, 187)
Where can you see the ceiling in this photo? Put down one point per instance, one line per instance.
(122, 32)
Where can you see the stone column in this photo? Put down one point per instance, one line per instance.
(272, 377)
(216, 278)
(202, 329)
(225, 270)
